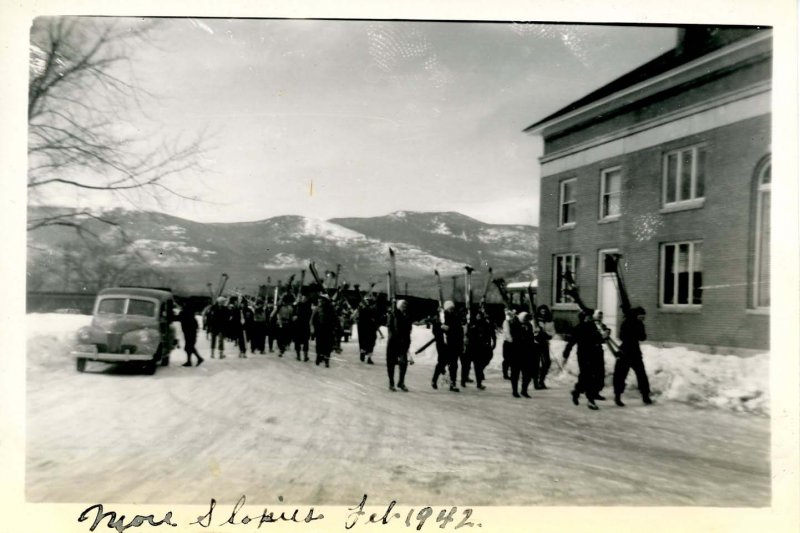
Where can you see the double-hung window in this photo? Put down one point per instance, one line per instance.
(684, 176)
(566, 202)
(610, 193)
(562, 264)
(681, 274)
(761, 270)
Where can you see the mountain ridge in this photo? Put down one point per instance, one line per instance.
(197, 252)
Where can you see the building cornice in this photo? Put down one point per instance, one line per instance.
(727, 56)
(724, 99)
(742, 105)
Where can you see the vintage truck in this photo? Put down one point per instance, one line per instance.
(129, 325)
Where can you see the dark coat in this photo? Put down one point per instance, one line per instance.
(399, 340)
(631, 333)
(324, 324)
(481, 339)
(454, 335)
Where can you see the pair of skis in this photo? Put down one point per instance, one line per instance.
(572, 291)
(391, 285)
(221, 287)
(468, 290)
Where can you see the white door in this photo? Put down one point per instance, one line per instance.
(608, 295)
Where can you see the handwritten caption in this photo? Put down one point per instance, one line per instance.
(413, 518)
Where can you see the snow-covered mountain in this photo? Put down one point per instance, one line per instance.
(281, 246)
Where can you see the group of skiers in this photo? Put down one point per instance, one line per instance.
(465, 339)
(526, 350)
(590, 334)
(244, 320)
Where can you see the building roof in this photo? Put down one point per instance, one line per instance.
(693, 42)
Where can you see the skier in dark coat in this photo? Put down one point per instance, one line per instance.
(260, 318)
(217, 318)
(590, 358)
(234, 329)
(508, 344)
(301, 325)
(512, 339)
(367, 326)
(481, 340)
(324, 327)
(545, 330)
(248, 319)
(398, 343)
(526, 351)
(631, 333)
(282, 328)
(442, 356)
(272, 327)
(189, 327)
(454, 340)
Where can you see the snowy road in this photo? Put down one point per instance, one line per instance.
(266, 427)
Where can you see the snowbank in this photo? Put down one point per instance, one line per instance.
(51, 336)
(725, 381)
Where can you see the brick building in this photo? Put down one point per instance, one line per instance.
(668, 167)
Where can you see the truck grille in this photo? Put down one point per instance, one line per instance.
(114, 342)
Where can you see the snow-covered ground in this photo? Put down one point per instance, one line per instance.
(729, 382)
(676, 374)
(267, 426)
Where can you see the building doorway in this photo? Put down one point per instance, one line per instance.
(607, 293)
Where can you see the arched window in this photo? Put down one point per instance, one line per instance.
(762, 235)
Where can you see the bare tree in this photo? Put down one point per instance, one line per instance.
(81, 87)
(88, 265)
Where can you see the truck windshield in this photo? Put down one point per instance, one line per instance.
(141, 308)
(111, 306)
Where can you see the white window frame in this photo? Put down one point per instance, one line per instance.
(561, 203)
(663, 275)
(693, 200)
(575, 264)
(760, 189)
(603, 193)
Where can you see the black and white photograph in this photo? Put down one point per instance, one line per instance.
(420, 267)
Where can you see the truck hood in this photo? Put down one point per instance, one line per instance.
(122, 324)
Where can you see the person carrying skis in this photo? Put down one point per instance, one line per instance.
(234, 328)
(631, 333)
(324, 327)
(301, 326)
(545, 330)
(590, 357)
(248, 318)
(481, 340)
(367, 327)
(512, 334)
(526, 350)
(283, 314)
(454, 340)
(398, 343)
(260, 318)
(217, 322)
(189, 327)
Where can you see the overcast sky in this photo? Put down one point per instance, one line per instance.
(378, 116)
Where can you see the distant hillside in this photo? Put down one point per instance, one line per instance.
(195, 253)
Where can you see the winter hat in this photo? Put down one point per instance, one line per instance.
(449, 305)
